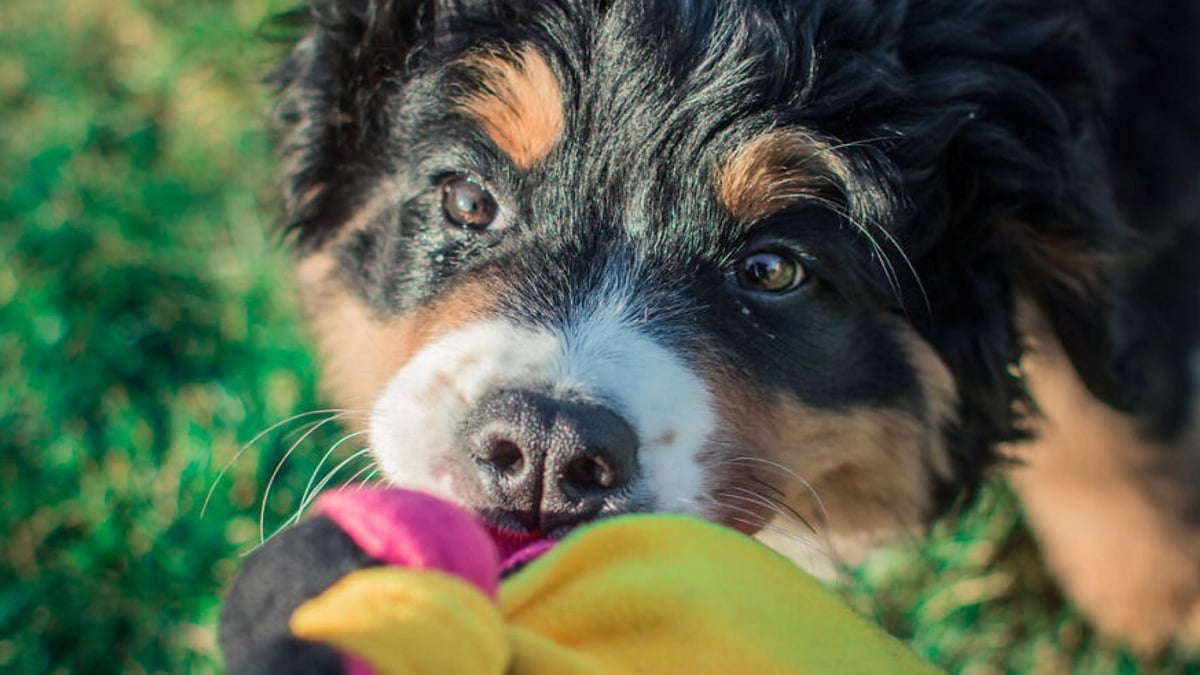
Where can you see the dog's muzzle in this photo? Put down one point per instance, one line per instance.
(547, 462)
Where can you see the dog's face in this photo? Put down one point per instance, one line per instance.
(580, 259)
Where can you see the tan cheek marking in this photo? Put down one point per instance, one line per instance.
(771, 172)
(1105, 503)
(870, 468)
(519, 105)
(360, 353)
(866, 467)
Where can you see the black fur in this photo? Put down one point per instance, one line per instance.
(987, 147)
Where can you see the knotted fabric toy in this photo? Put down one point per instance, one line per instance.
(387, 581)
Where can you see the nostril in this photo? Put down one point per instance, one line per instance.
(589, 472)
(600, 459)
(504, 455)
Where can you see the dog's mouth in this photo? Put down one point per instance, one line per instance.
(519, 542)
(518, 549)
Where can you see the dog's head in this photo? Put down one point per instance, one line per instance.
(740, 259)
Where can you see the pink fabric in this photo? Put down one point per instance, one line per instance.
(353, 666)
(416, 530)
(420, 531)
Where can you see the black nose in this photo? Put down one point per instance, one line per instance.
(547, 462)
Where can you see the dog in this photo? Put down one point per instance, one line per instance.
(808, 268)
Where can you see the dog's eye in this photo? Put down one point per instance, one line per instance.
(469, 205)
(768, 272)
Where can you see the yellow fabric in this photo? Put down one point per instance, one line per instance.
(403, 621)
(639, 594)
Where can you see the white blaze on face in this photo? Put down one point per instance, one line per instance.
(598, 352)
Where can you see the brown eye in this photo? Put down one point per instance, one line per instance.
(768, 272)
(469, 205)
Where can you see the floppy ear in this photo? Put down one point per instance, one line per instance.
(334, 88)
(1012, 195)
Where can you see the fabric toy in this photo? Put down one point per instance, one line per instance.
(387, 581)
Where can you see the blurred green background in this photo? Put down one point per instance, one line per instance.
(147, 333)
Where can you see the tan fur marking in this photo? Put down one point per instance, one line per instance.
(1103, 505)
(359, 351)
(867, 470)
(520, 104)
(776, 170)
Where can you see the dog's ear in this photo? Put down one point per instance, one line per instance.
(1004, 148)
(335, 86)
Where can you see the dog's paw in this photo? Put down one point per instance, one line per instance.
(1121, 560)
(1151, 607)
(1107, 505)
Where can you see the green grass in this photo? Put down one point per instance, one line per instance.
(147, 333)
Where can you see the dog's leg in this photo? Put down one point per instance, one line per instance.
(1116, 515)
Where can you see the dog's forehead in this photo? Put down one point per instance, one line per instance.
(652, 126)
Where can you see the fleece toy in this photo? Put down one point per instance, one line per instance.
(387, 581)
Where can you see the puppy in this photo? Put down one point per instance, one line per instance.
(805, 268)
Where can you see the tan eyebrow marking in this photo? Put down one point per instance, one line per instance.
(771, 172)
(518, 103)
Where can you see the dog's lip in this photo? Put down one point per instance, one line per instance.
(517, 549)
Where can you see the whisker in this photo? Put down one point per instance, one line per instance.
(773, 509)
(257, 437)
(715, 501)
(792, 474)
(811, 546)
(782, 502)
(782, 509)
(705, 503)
(762, 521)
(262, 513)
(749, 497)
(885, 263)
(327, 478)
(295, 518)
(767, 485)
(756, 521)
(350, 481)
(847, 145)
(370, 477)
(911, 268)
(317, 470)
(866, 229)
